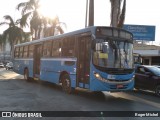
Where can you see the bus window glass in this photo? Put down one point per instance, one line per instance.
(101, 54)
(68, 47)
(47, 48)
(25, 52)
(21, 52)
(31, 47)
(16, 52)
(113, 54)
(56, 50)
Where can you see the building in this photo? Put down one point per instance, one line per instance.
(5, 52)
(149, 53)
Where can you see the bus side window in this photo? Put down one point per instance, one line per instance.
(25, 52)
(47, 48)
(68, 47)
(21, 52)
(56, 49)
(31, 47)
(16, 52)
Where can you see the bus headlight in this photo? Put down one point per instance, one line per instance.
(98, 76)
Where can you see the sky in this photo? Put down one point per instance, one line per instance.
(72, 12)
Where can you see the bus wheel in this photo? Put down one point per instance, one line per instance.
(66, 83)
(157, 90)
(26, 75)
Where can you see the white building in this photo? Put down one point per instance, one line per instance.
(149, 53)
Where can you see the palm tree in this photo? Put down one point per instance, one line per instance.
(51, 25)
(39, 23)
(117, 15)
(13, 34)
(1, 41)
(30, 9)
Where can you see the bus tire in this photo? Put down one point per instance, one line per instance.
(66, 83)
(157, 90)
(26, 75)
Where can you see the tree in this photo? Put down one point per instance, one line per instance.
(13, 33)
(39, 23)
(117, 14)
(51, 25)
(1, 41)
(30, 10)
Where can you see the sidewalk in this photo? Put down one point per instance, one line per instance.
(9, 74)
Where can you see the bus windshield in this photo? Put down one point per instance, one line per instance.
(113, 54)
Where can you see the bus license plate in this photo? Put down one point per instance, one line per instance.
(119, 86)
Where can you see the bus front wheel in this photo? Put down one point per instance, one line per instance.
(66, 84)
(26, 75)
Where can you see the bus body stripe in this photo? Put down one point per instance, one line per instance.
(59, 59)
(23, 59)
(48, 59)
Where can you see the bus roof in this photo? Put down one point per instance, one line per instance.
(91, 29)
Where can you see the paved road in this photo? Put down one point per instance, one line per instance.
(19, 95)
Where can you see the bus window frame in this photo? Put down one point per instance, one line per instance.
(31, 51)
(16, 52)
(47, 48)
(25, 55)
(56, 48)
(21, 49)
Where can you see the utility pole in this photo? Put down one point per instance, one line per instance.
(89, 13)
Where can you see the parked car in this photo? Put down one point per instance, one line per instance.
(1, 65)
(148, 78)
(158, 66)
(9, 66)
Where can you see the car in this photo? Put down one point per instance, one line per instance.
(158, 66)
(9, 66)
(148, 78)
(1, 65)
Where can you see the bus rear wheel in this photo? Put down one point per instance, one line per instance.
(26, 75)
(66, 83)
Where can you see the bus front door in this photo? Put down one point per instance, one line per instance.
(36, 63)
(83, 61)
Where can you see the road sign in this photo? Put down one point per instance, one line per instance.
(141, 32)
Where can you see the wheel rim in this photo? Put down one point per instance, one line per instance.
(26, 75)
(66, 84)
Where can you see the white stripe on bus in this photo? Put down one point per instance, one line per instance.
(47, 59)
(59, 59)
(23, 59)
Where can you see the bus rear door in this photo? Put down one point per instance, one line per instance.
(36, 60)
(83, 60)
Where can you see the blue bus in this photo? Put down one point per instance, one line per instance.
(95, 58)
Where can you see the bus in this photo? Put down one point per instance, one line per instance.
(96, 58)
